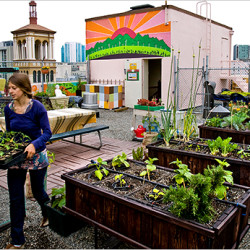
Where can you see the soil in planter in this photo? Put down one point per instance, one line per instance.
(89, 176)
(139, 195)
(132, 182)
(201, 147)
(136, 169)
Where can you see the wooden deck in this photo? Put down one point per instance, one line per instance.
(69, 156)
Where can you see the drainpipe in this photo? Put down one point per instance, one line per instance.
(231, 32)
(88, 71)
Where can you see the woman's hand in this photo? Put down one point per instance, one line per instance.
(31, 151)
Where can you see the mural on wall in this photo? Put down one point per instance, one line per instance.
(68, 88)
(137, 35)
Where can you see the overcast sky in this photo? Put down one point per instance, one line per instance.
(67, 18)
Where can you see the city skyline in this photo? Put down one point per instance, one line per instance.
(67, 18)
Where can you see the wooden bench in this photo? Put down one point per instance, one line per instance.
(74, 133)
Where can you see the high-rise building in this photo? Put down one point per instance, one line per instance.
(73, 52)
(6, 53)
(241, 52)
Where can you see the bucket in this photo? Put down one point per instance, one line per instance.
(90, 98)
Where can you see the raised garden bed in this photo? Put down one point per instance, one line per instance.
(130, 217)
(213, 132)
(197, 160)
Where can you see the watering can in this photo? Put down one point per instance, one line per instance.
(139, 132)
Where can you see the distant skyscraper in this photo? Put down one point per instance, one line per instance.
(6, 53)
(73, 52)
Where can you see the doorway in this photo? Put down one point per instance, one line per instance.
(154, 78)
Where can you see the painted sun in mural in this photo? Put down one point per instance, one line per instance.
(149, 23)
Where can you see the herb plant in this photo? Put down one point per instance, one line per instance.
(149, 167)
(58, 196)
(218, 177)
(182, 173)
(121, 180)
(120, 160)
(156, 194)
(100, 169)
(138, 155)
(194, 199)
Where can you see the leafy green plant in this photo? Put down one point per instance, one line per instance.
(227, 147)
(224, 145)
(243, 154)
(138, 155)
(247, 126)
(41, 94)
(119, 177)
(218, 177)
(58, 196)
(183, 173)
(149, 167)
(156, 194)
(100, 169)
(214, 146)
(214, 122)
(120, 160)
(51, 157)
(235, 121)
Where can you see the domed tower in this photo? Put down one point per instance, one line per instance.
(33, 47)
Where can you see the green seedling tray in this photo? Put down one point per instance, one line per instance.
(150, 108)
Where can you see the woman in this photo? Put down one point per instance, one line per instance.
(29, 117)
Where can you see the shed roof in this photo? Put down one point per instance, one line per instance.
(154, 9)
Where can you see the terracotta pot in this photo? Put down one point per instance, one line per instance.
(45, 71)
(149, 138)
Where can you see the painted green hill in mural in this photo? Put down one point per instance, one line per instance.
(125, 44)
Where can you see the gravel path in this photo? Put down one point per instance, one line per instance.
(44, 238)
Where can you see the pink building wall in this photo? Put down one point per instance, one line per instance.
(188, 31)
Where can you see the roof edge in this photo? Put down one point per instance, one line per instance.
(154, 9)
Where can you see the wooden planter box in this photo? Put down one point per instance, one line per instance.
(197, 162)
(242, 137)
(146, 226)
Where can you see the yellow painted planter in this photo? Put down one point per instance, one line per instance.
(59, 102)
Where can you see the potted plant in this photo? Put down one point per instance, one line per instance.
(152, 105)
(45, 69)
(43, 97)
(60, 222)
(152, 125)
